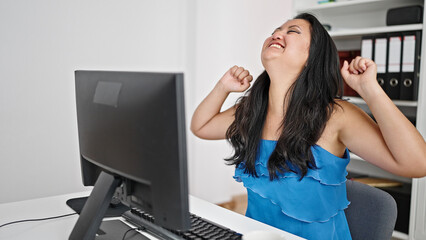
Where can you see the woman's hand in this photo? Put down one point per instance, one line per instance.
(360, 75)
(236, 79)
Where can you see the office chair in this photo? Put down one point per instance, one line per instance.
(372, 212)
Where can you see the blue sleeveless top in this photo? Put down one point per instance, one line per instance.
(312, 208)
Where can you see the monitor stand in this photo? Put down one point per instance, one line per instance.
(95, 208)
(114, 209)
(116, 229)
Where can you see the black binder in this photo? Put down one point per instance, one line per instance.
(380, 57)
(411, 42)
(393, 66)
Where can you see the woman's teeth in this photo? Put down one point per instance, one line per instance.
(276, 46)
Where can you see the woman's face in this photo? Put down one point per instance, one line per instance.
(288, 45)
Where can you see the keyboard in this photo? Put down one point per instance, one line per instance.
(201, 228)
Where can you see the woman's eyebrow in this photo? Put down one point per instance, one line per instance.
(295, 26)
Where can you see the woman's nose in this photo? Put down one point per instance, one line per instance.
(277, 35)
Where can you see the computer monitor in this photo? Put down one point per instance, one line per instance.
(131, 128)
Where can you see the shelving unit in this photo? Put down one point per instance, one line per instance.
(402, 103)
(350, 6)
(408, 108)
(349, 21)
(354, 32)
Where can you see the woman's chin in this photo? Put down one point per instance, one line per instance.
(273, 61)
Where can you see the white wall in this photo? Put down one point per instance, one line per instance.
(42, 43)
(227, 33)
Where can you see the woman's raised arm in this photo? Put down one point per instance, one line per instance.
(208, 122)
(394, 144)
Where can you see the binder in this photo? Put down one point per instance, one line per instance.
(393, 66)
(380, 57)
(411, 42)
(367, 47)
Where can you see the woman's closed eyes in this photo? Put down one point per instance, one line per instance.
(288, 31)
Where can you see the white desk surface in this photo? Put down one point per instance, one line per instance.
(61, 228)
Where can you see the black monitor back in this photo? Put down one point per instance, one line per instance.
(132, 125)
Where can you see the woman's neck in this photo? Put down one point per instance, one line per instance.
(278, 89)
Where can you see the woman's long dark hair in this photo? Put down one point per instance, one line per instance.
(310, 105)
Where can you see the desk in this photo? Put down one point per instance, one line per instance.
(58, 229)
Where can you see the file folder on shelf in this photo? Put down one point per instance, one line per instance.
(411, 42)
(380, 57)
(393, 67)
(367, 47)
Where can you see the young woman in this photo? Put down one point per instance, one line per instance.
(291, 131)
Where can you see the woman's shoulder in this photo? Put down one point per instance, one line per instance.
(344, 115)
(347, 115)
(344, 110)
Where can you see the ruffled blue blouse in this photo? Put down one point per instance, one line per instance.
(312, 208)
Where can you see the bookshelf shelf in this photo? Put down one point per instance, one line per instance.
(343, 4)
(400, 103)
(353, 6)
(354, 32)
